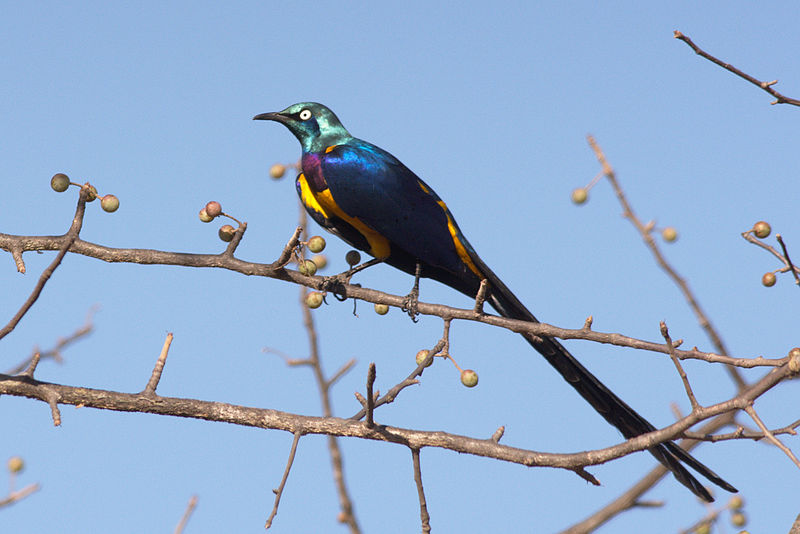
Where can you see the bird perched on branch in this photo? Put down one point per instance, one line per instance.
(372, 201)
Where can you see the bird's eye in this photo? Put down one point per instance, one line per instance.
(305, 115)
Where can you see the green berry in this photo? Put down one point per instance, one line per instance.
(768, 279)
(226, 233)
(213, 209)
(469, 378)
(314, 299)
(761, 229)
(59, 182)
(381, 309)
(316, 244)
(109, 203)
(205, 217)
(353, 257)
(580, 195)
(16, 464)
(277, 171)
(421, 355)
(669, 234)
(307, 267)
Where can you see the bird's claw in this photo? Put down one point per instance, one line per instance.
(411, 304)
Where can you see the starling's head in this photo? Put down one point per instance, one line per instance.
(314, 125)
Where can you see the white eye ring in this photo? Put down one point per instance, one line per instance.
(305, 115)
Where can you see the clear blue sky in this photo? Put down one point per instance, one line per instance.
(490, 104)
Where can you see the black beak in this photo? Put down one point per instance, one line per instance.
(271, 117)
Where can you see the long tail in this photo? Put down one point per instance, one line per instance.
(612, 408)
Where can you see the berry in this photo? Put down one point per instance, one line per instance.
(277, 171)
(109, 203)
(580, 195)
(316, 244)
(213, 209)
(761, 229)
(381, 309)
(768, 279)
(736, 502)
(738, 519)
(320, 260)
(421, 355)
(314, 299)
(669, 234)
(16, 464)
(92, 194)
(469, 378)
(353, 257)
(59, 182)
(205, 217)
(307, 267)
(226, 233)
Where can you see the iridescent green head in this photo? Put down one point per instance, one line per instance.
(314, 125)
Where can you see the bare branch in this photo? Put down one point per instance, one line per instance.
(279, 490)
(678, 366)
(770, 436)
(766, 86)
(186, 515)
(423, 506)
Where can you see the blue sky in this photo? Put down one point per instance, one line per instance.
(490, 105)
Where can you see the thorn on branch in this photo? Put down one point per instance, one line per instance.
(480, 298)
(678, 366)
(498, 434)
(155, 376)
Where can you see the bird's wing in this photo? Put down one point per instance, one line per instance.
(370, 184)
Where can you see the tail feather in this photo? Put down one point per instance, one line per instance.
(604, 401)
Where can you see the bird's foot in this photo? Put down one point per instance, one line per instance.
(411, 304)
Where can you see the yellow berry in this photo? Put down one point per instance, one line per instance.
(320, 260)
(205, 217)
(314, 299)
(421, 355)
(277, 171)
(381, 309)
(761, 229)
(316, 244)
(469, 378)
(738, 519)
(669, 234)
(16, 464)
(109, 203)
(580, 195)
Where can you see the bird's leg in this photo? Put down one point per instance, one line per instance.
(411, 302)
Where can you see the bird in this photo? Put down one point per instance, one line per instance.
(372, 201)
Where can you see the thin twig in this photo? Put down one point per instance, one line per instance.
(69, 239)
(192, 504)
(788, 259)
(16, 496)
(766, 86)
(423, 506)
(279, 491)
(647, 236)
(770, 436)
(480, 298)
(678, 366)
